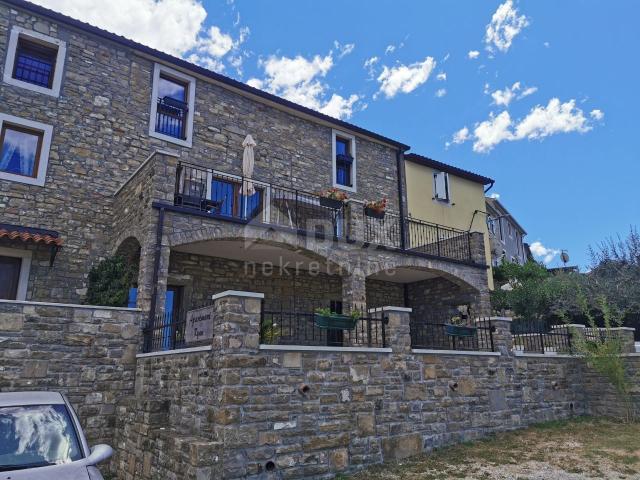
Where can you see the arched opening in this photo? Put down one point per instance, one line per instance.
(129, 250)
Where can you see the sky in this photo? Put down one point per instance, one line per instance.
(539, 95)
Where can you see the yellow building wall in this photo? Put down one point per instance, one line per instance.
(466, 197)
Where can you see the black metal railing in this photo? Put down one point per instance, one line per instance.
(435, 333)
(253, 200)
(168, 331)
(295, 328)
(422, 237)
(171, 117)
(540, 336)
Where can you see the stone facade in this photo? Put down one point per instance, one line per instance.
(88, 353)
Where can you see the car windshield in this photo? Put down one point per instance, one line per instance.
(35, 436)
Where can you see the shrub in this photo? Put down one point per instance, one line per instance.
(109, 282)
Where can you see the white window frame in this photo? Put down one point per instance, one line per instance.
(25, 269)
(354, 169)
(16, 33)
(157, 70)
(447, 187)
(43, 161)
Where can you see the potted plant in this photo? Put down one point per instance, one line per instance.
(326, 319)
(458, 327)
(332, 198)
(376, 209)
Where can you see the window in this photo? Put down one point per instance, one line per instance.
(344, 161)
(172, 104)
(24, 150)
(441, 186)
(233, 203)
(14, 273)
(35, 61)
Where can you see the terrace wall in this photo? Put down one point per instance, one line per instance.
(296, 412)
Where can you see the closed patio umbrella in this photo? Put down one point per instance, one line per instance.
(247, 165)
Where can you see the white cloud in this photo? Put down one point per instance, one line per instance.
(597, 114)
(172, 26)
(541, 252)
(495, 196)
(473, 54)
(442, 76)
(441, 92)
(405, 78)
(505, 25)
(540, 122)
(504, 97)
(370, 64)
(491, 132)
(547, 44)
(344, 49)
(461, 135)
(528, 91)
(389, 49)
(300, 80)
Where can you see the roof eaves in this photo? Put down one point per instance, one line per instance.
(59, 17)
(429, 162)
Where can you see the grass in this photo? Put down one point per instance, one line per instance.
(587, 447)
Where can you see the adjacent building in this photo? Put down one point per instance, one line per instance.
(506, 236)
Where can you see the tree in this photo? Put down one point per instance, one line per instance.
(530, 291)
(109, 282)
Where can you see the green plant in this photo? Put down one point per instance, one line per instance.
(334, 194)
(377, 205)
(269, 332)
(603, 352)
(327, 312)
(109, 282)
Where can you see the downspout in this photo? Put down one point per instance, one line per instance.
(156, 265)
(490, 186)
(399, 165)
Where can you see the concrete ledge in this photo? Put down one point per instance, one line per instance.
(178, 351)
(390, 309)
(428, 351)
(236, 293)
(68, 305)
(502, 319)
(544, 355)
(310, 348)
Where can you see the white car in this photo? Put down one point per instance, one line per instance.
(41, 439)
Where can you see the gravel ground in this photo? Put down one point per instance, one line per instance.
(579, 449)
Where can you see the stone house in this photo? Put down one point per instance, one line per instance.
(506, 236)
(110, 147)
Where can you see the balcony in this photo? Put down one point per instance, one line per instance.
(240, 199)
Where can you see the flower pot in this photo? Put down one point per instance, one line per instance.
(335, 322)
(370, 212)
(331, 203)
(460, 330)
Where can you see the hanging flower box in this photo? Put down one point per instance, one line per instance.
(376, 209)
(460, 330)
(333, 198)
(325, 319)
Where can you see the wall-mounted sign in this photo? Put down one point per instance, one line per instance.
(199, 325)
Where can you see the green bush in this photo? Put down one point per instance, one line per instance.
(109, 282)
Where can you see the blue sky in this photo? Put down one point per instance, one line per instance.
(564, 155)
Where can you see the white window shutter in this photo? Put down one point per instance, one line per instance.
(441, 186)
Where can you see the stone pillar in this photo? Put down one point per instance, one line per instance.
(354, 292)
(502, 338)
(235, 347)
(397, 328)
(354, 220)
(476, 247)
(627, 338)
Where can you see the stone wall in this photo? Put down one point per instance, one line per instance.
(88, 353)
(287, 412)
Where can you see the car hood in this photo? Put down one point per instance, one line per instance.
(57, 472)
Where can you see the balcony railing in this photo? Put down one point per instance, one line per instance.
(295, 328)
(171, 117)
(251, 200)
(438, 333)
(248, 200)
(422, 237)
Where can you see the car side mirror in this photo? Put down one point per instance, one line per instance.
(99, 453)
